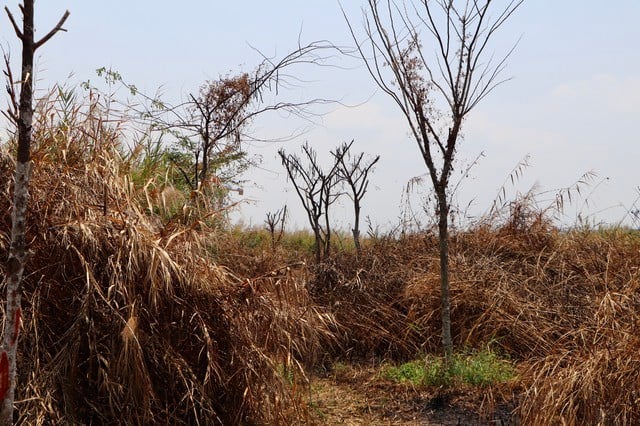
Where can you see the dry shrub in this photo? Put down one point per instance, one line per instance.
(127, 321)
(596, 385)
(591, 373)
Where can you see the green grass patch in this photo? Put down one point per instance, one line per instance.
(478, 368)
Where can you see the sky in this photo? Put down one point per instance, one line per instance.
(571, 105)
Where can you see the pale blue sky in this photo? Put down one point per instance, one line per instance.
(572, 105)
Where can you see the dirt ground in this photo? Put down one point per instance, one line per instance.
(360, 396)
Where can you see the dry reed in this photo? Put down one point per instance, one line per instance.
(564, 305)
(127, 320)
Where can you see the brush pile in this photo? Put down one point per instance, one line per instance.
(366, 296)
(126, 319)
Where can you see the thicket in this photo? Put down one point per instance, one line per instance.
(563, 305)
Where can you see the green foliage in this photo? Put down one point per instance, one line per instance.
(343, 241)
(253, 238)
(303, 241)
(415, 372)
(300, 242)
(481, 368)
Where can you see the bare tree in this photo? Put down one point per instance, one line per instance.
(316, 190)
(354, 172)
(276, 221)
(18, 251)
(432, 58)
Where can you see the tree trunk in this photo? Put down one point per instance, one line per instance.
(356, 240)
(17, 251)
(17, 258)
(206, 147)
(356, 229)
(317, 245)
(327, 238)
(445, 304)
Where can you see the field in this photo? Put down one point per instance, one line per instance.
(142, 308)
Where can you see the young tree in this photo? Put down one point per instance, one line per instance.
(354, 172)
(211, 126)
(18, 251)
(276, 221)
(432, 58)
(316, 190)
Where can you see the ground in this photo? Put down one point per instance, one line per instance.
(349, 395)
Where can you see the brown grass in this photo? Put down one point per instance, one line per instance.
(564, 305)
(139, 309)
(127, 320)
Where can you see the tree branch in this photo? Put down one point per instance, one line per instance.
(51, 33)
(13, 23)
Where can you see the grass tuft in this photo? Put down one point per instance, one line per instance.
(482, 368)
(128, 319)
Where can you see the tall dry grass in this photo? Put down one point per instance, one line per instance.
(139, 309)
(565, 305)
(127, 319)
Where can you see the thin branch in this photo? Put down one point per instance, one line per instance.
(51, 33)
(16, 28)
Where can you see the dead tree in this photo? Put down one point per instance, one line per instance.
(18, 250)
(316, 191)
(354, 172)
(432, 58)
(276, 221)
(215, 119)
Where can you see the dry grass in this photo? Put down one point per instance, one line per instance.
(140, 310)
(365, 295)
(564, 305)
(127, 320)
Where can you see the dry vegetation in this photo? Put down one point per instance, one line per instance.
(127, 319)
(135, 314)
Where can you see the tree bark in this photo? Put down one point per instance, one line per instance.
(317, 245)
(17, 251)
(356, 227)
(17, 257)
(327, 225)
(445, 303)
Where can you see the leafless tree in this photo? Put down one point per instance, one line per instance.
(276, 221)
(23, 119)
(316, 190)
(354, 172)
(432, 58)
